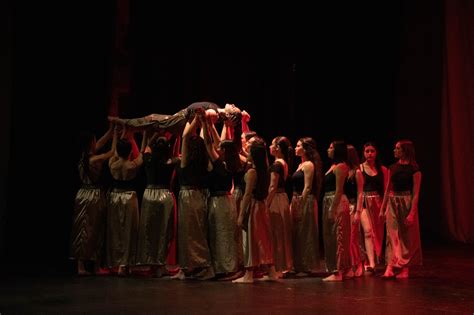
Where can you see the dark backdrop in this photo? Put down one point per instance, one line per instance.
(358, 73)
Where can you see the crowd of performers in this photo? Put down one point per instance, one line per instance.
(229, 213)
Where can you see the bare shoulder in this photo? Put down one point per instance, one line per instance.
(341, 168)
(307, 165)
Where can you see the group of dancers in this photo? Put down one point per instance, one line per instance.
(234, 214)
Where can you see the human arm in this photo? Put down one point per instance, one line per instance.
(410, 219)
(211, 150)
(188, 131)
(250, 181)
(245, 120)
(308, 171)
(272, 188)
(383, 208)
(340, 171)
(108, 134)
(360, 194)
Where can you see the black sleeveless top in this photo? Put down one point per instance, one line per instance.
(350, 187)
(373, 183)
(239, 181)
(277, 167)
(220, 179)
(123, 184)
(401, 176)
(158, 173)
(260, 192)
(298, 181)
(330, 182)
(190, 177)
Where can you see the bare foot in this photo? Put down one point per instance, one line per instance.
(179, 276)
(301, 274)
(122, 271)
(359, 271)
(233, 276)
(243, 280)
(404, 274)
(333, 278)
(388, 275)
(349, 274)
(270, 278)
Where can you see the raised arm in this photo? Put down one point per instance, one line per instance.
(245, 120)
(189, 130)
(210, 147)
(216, 140)
(108, 134)
(99, 158)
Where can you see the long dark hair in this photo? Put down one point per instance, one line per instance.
(85, 140)
(258, 152)
(124, 147)
(352, 160)
(340, 152)
(160, 150)
(309, 146)
(230, 155)
(408, 149)
(197, 154)
(287, 151)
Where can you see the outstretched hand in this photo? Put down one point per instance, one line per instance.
(245, 116)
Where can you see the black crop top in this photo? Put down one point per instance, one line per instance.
(330, 182)
(401, 176)
(298, 181)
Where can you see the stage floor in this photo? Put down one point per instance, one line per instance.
(444, 285)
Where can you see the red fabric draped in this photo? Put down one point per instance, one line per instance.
(457, 121)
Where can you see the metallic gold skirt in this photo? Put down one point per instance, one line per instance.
(403, 241)
(305, 234)
(336, 234)
(156, 227)
(88, 228)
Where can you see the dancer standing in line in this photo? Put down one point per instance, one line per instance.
(400, 207)
(279, 206)
(336, 217)
(353, 188)
(375, 181)
(304, 208)
(253, 216)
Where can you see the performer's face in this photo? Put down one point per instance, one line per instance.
(331, 151)
(370, 153)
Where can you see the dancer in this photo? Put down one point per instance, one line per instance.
(400, 207)
(336, 217)
(304, 208)
(375, 180)
(90, 204)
